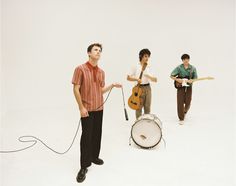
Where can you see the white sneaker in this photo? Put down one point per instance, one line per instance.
(181, 122)
(185, 114)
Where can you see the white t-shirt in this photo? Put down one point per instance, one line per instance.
(135, 73)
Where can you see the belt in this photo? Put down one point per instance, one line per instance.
(144, 85)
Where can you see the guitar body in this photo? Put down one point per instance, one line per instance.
(177, 84)
(134, 100)
(180, 85)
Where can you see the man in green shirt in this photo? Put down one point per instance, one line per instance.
(184, 94)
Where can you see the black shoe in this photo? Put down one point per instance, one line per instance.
(98, 161)
(81, 175)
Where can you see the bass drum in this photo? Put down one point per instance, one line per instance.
(146, 131)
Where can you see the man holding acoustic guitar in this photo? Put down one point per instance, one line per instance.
(141, 93)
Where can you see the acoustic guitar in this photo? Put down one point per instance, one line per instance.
(185, 84)
(134, 100)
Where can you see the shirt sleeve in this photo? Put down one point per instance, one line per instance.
(77, 77)
(175, 72)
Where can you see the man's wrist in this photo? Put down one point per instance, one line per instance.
(81, 107)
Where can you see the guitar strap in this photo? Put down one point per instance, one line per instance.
(191, 73)
(190, 76)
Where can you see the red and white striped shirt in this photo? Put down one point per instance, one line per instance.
(91, 80)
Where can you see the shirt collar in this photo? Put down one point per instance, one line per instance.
(189, 66)
(91, 67)
(93, 70)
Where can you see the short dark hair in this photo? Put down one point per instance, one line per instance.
(185, 56)
(92, 45)
(143, 52)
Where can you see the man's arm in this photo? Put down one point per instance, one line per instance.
(152, 78)
(179, 80)
(130, 78)
(106, 89)
(173, 75)
(83, 110)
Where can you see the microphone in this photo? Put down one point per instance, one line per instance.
(126, 114)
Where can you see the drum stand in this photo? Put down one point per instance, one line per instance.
(129, 140)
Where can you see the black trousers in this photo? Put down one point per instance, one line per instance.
(184, 97)
(90, 142)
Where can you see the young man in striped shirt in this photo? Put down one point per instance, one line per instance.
(89, 87)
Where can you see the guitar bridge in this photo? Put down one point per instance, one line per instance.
(134, 103)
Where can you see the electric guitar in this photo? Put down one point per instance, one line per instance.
(134, 100)
(185, 84)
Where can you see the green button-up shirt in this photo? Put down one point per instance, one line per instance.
(181, 72)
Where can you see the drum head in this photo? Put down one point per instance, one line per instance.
(146, 132)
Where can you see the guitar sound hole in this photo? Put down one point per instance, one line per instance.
(136, 94)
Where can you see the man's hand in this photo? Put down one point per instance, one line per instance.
(179, 80)
(190, 81)
(83, 112)
(117, 85)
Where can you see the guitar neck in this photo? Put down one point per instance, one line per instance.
(199, 79)
(143, 68)
(141, 75)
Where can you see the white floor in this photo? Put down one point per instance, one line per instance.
(199, 153)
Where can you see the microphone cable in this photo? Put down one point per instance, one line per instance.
(34, 140)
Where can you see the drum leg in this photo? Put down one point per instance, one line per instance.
(129, 140)
(164, 142)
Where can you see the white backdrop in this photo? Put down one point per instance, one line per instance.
(43, 41)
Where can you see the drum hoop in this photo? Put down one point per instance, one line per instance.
(141, 145)
(148, 119)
